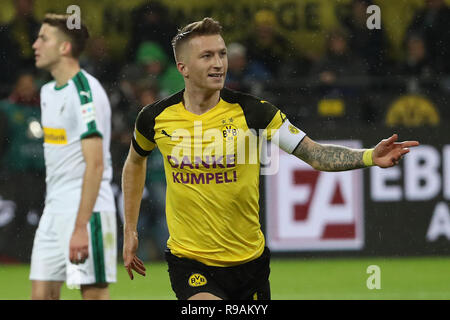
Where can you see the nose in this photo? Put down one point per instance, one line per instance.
(218, 63)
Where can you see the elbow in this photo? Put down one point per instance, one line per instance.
(99, 170)
(95, 167)
(320, 167)
(325, 168)
(316, 165)
(99, 166)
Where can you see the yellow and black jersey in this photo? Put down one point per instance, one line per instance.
(212, 171)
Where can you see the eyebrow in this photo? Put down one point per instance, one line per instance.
(212, 51)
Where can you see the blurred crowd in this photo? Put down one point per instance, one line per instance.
(262, 58)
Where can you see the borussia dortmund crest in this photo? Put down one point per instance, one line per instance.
(229, 132)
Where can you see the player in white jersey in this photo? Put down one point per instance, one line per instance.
(76, 238)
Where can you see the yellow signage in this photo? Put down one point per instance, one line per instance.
(412, 111)
(331, 108)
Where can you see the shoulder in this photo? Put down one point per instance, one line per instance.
(258, 112)
(145, 121)
(93, 83)
(232, 96)
(88, 89)
(48, 86)
(246, 100)
(84, 81)
(151, 111)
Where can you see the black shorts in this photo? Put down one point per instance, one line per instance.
(248, 281)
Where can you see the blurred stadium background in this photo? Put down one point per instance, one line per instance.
(334, 78)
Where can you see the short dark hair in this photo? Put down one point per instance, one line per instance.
(78, 36)
(207, 26)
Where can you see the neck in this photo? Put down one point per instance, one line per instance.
(64, 71)
(200, 101)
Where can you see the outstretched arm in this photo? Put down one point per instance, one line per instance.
(326, 157)
(133, 181)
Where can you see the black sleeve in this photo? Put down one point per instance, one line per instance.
(258, 112)
(145, 122)
(144, 130)
(143, 138)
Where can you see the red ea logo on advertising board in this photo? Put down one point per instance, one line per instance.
(311, 210)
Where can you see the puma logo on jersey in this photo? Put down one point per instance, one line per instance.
(86, 94)
(166, 134)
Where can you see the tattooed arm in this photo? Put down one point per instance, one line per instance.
(326, 157)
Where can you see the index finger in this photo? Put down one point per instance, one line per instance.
(407, 144)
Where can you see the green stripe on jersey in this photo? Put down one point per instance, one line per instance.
(83, 88)
(97, 248)
(85, 95)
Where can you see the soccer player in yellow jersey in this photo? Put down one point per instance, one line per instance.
(206, 134)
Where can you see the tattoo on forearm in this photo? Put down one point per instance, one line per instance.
(330, 157)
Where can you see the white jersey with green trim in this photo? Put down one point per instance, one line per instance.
(70, 113)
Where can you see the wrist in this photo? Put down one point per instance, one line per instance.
(368, 157)
(80, 225)
(129, 229)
